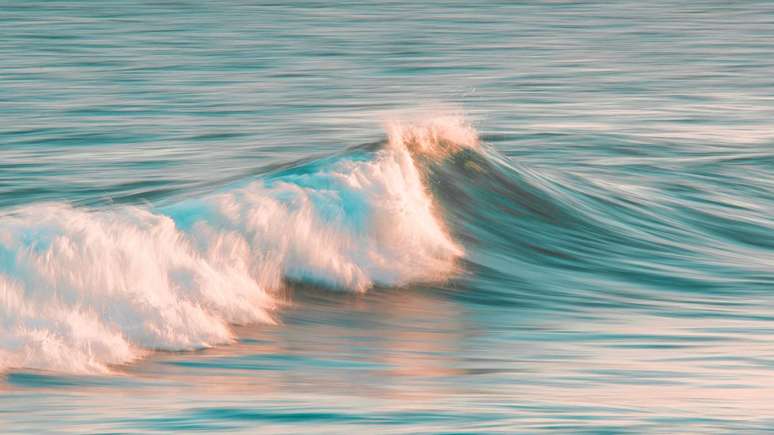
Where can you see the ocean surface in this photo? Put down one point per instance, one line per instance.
(386, 217)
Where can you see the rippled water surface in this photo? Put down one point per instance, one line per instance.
(423, 217)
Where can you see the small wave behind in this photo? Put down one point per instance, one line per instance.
(82, 289)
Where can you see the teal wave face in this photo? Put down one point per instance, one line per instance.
(658, 243)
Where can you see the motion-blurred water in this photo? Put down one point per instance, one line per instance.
(243, 216)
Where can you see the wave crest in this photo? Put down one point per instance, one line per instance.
(436, 136)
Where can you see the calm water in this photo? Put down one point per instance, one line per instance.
(460, 217)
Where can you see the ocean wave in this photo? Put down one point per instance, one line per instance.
(82, 290)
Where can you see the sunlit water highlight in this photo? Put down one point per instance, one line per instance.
(457, 217)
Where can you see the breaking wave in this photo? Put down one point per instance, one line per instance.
(84, 289)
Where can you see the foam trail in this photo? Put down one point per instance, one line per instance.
(81, 290)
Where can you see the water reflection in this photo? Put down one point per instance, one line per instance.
(376, 344)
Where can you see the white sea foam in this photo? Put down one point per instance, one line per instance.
(81, 290)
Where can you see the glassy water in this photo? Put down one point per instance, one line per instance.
(396, 217)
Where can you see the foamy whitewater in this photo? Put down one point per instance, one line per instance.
(82, 289)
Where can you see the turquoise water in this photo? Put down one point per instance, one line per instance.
(451, 217)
